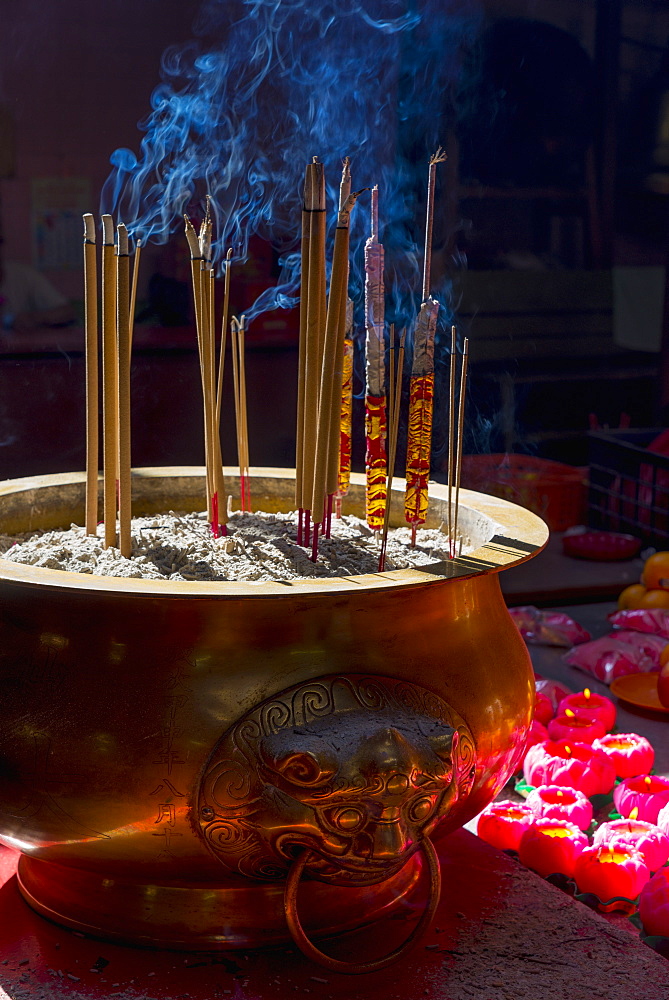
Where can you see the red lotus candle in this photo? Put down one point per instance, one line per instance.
(535, 734)
(552, 845)
(629, 753)
(579, 728)
(609, 870)
(543, 708)
(555, 802)
(654, 904)
(502, 824)
(587, 702)
(571, 765)
(644, 837)
(646, 793)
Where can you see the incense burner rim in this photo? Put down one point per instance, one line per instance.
(514, 535)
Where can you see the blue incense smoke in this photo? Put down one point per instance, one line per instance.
(267, 84)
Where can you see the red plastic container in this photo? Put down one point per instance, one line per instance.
(552, 490)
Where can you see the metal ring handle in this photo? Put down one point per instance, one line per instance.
(352, 968)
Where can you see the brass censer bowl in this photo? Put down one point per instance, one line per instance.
(177, 760)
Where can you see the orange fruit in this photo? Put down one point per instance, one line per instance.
(656, 571)
(664, 655)
(630, 596)
(655, 599)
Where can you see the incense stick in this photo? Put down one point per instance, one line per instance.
(461, 424)
(222, 498)
(330, 387)
(109, 381)
(334, 442)
(375, 376)
(236, 387)
(123, 328)
(133, 293)
(302, 356)
(451, 427)
(241, 342)
(396, 400)
(92, 403)
(316, 312)
(421, 391)
(346, 410)
(196, 276)
(436, 158)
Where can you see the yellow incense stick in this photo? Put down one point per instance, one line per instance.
(123, 327)
(91, 321)
(109, 380)
(133, 293)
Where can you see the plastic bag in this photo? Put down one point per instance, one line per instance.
(553, 690)
(547, 628)
(617, 655)
(651, 620)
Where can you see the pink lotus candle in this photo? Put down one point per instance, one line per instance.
(556, 802)
(609, 870)
(644, 837)
(552, 845)
(535, 734)
(654, 904)
(579, 728)
(595, 706)
(571, 765)
(663, 819)
(543, 708)
(629, 753)
(502, 824)
(648, 794)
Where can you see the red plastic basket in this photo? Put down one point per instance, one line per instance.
(554, 491)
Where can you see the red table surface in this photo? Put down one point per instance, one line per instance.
(500, 932)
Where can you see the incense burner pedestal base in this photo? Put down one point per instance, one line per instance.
(207, 916)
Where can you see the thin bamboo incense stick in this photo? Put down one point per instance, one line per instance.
(221, 490)
(218, 498)
(206, 358)
(346, 410)
(109, 381)
(92, 402)
(224, 334)
(302, 357)
(392, 443)
(196, 275)
(334, 443)
(241, 343)
(375, 376)
(451, 429)
(234, 347)
(133, 293)
(123, 328)
(438, 157)
(461, 425)
(316, 312)
(421, 392)
(329, 391)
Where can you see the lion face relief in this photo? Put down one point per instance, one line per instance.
(356, 769)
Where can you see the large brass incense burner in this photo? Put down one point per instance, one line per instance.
(214, 765)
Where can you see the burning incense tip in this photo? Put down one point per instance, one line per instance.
(89, 228)
(108, 230)
(193, 242)
(122, 234)
(438, 157)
